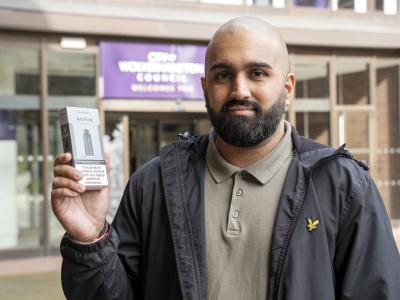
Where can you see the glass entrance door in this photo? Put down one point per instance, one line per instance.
(149, 133)
(134, 138)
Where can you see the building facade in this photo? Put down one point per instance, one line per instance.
(345, 53)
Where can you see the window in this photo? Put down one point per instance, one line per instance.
(71, 73)
(314, 125)
(312, 3)
(352, 82)
(273, 3)
(389, 7)
(312, 98)
(349, 4)
(312, 79)
(21, 198)
(359, 6)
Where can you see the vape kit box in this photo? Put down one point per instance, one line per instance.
(81, 136)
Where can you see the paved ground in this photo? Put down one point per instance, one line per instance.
(42, 286)
(31, 279)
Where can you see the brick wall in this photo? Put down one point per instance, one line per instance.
(388, 152)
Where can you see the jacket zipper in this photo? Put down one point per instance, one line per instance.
(341, 151)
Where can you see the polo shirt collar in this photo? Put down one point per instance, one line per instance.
(262, 170)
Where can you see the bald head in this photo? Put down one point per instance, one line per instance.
(247, 83)
(252, 29)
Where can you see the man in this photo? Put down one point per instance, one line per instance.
(249, 211)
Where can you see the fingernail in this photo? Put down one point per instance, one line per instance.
(80, 187)
(77, 175)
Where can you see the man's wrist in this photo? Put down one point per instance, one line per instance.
(109, 238)
(102, 235)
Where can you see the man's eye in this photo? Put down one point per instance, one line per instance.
(258, 74)
(222, 76)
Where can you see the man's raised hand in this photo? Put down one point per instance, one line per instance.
(82, 213)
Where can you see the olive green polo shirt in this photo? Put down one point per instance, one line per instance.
(240, 208)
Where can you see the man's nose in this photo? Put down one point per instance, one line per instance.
(240, 88)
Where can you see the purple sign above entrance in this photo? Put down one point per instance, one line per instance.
(151, 71)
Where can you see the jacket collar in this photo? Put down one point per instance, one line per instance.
(182, 169)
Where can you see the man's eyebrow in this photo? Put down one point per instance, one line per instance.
(259, 65)
(220, 66)
(249, 65)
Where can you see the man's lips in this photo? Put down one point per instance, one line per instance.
(240, 108)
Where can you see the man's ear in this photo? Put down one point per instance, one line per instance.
(203, 84)
(290, 84)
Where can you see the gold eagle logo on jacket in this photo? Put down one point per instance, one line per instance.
(312, 224)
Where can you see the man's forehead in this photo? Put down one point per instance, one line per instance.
(236, 45)
(244, 34)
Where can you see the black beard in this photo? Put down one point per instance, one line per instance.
(242, 131)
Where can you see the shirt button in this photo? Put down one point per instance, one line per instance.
(239, 192)
(235, 214)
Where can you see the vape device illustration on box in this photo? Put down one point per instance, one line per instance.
(87, 141)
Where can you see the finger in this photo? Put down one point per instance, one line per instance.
(62, 182)
(63, 192)
(62, 159)
(68, 172)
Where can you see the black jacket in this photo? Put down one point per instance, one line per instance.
(156, 249)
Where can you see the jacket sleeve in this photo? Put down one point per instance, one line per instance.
(103, 270)
(367, 262)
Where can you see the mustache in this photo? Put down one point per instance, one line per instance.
(243, 102)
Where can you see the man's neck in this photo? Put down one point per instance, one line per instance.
(245, 156)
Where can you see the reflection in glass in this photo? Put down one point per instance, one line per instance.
(21, 198)
(312, 79)
(19, 72)
(352, 82)
(312, 3)
(71, 73)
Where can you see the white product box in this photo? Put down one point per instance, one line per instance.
(81, 136)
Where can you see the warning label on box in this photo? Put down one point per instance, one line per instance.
(93, 174)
